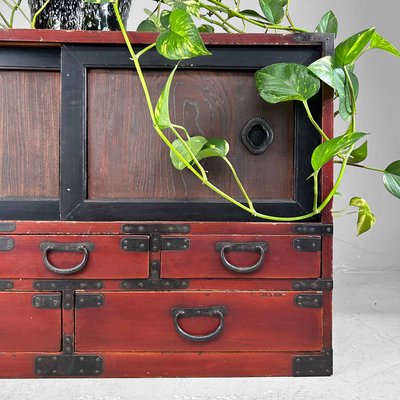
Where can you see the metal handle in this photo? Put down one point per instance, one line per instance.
(225, 247)
(217, 311)
(84, 248)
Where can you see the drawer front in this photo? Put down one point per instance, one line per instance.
(83, 257)
(199, 321)
(30, 321)
(243, 256)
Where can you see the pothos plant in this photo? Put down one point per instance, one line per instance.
(179, 38)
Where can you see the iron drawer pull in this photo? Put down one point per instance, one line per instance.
(218, 311)
(260, 247)
(84, 248)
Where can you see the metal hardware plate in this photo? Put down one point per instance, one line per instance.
(67, 285)
(308, 300)
(307, 244)
(155, 228)
(310, 284)
(314, 365)
(135, 244)
(84, 300)
(7, 227)
(155, 242)
(154, 282)
(49, 301)
(68, 345)
(69, 365)
(175, 243)
(6, 244)
(68, 299)
(314, 229)
(6, 285)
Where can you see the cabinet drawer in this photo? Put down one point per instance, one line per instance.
(83, 257)
(204, 321)
(244, 256)
(30, 321)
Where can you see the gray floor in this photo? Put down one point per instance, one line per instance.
(367, 359)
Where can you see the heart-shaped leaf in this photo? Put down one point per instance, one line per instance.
(161, 112)
(182, 40)
(195, 144)
(215, 147)
(328, 24)
(329, 149)
(191, 6)
(378, 42)
(273, 10)
(253, 14)
(285, 82)
(349, 50)
(206, 28)
(359, 154)
(391, 178)
(147, 26)
(366, 219)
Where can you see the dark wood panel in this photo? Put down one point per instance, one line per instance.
(255, 321)
(26, 328)
(127, 160)
(29, 134)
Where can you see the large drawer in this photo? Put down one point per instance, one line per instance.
(83, 256)
(199, 321)
(244, 256)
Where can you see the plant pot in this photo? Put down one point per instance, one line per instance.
(78, 15)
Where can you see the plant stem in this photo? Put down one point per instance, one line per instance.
(287, 13)
(14, 9)
(312, 120)
(7, 24)
(353, 100)
(33, 23)
(363, 166)
(183, 129)
(315, 204)
(141, 52)
(242, 189)
(224, 21)
(211, 21)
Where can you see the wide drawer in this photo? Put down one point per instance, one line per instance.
(30, 321)
(244, 256)
(83, 256)
(200, 321)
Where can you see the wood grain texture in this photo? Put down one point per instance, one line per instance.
(26, 328)
(29, 134)
(255, 321)
(107, 260)
(127, 160)
(202, 260)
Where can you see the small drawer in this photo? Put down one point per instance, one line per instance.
(242, 256)
(204, 321)
(73, 256)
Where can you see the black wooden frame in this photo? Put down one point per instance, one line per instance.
(74, 62)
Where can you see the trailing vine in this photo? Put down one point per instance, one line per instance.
(179, 38)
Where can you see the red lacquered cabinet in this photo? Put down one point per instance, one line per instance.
(113, 263)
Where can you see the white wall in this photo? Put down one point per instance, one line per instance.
(377, 252)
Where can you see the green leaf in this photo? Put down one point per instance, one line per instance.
(182, 40)
(328, 24)
(215, 147)
(348, 51)
(147, 26)
(190, 6)
(195, 144)
(359, 154)
(366, 219)
(378, 42)
(164, 20)
(253, 14)
(329, 149)
(391, 178)
(273, 10)
(161, 112)
(206, 28)
(285, 82)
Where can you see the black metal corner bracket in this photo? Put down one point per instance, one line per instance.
(7, 227)
(314, 365)
(308, 300)
(314, 229)
(313, 284)
(6, 285)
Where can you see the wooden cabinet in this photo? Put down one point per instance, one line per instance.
(114, 264)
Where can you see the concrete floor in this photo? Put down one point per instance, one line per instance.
(367, 359)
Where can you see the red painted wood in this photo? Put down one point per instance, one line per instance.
(26, 328)
(39, 36)
(255, 321)
(202, 260)
(107, 260)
